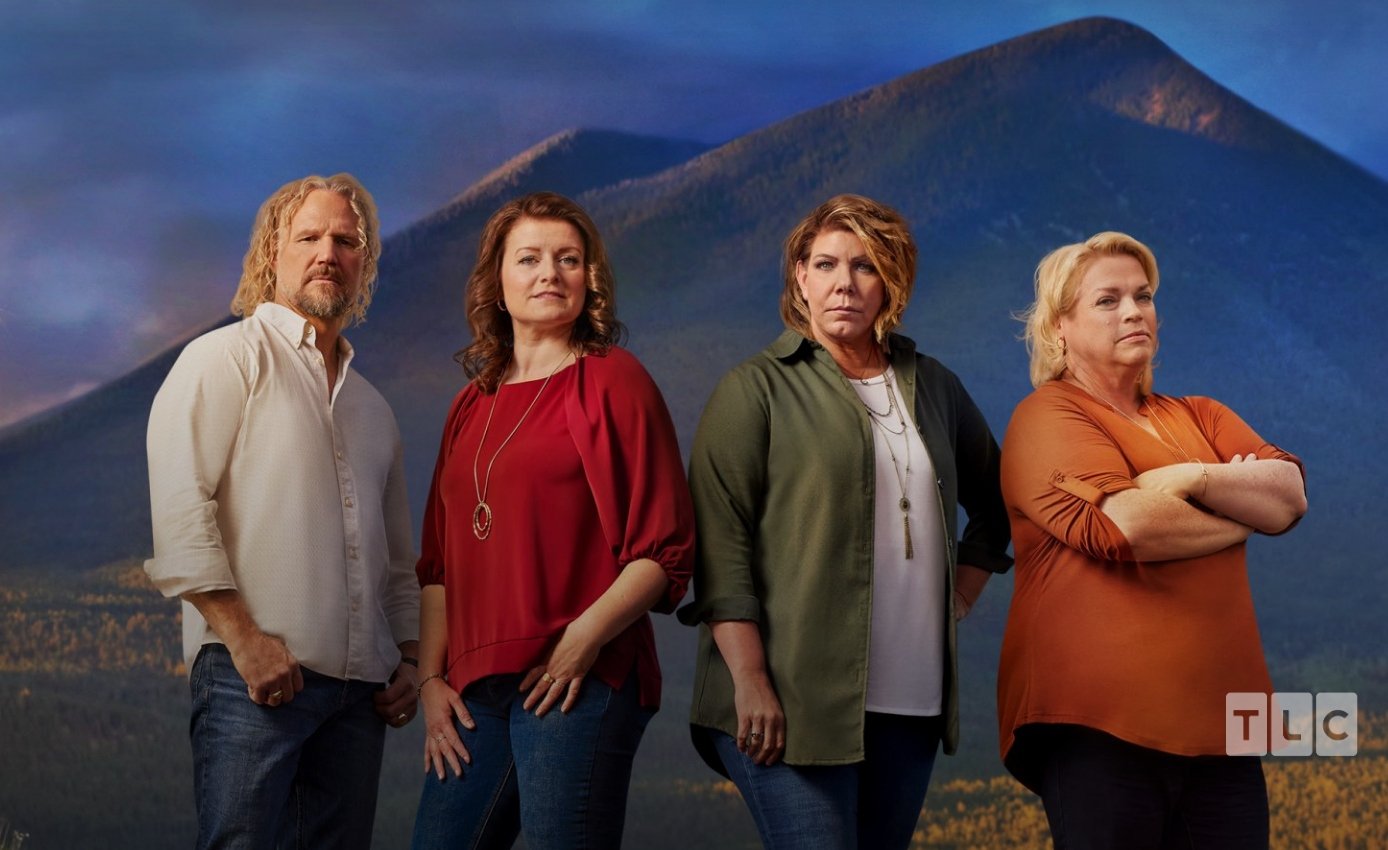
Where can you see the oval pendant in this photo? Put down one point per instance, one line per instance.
(904, 504)
(482, 520)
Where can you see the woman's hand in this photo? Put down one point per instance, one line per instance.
(1185, 481)
(561, 674)
(439, 704)
(761, 725)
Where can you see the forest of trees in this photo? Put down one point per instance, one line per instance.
(91, 676)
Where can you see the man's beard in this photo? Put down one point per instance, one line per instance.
(330, 304)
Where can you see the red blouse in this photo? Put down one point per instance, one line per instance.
(590, 482)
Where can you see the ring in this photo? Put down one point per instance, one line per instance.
(547, 678)
(277, 695)
(438, 739)
(401, 717)
(753, 736)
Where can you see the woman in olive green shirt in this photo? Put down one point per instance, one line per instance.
(827, 473)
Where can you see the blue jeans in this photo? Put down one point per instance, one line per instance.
(302, 774)
(870, 804)
(561, 779)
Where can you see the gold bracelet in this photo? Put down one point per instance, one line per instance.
(1205, 477)
(419, 691)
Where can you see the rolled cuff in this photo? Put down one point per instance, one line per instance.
(723, 608)
(979, 555)
(191, 572)
(676, 561)
(429, 571)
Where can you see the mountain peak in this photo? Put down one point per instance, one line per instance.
(581, 158)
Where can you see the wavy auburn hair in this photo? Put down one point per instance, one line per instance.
(486, 359)
(272, 228)
(889, 247)
(1058, 279)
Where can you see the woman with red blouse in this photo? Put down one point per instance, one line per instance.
(1132, 615)
(558, 516)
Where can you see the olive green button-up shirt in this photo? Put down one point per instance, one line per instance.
(782, 473)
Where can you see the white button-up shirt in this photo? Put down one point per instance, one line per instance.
(262, 482)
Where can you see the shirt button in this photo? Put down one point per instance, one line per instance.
(347, 501)
(339, 455)
(351, 551)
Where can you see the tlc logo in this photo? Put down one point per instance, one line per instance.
(1289, 724)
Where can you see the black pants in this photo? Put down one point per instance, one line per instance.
(1101, 793)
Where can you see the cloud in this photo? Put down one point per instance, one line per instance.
(140, 144)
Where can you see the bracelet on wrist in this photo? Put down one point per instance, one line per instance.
(419, 691)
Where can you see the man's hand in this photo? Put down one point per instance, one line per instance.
(270, 670)
(396, 704)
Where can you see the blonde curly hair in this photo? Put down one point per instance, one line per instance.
(272, 226)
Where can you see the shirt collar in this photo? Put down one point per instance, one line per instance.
(790, 343)
(298, 330)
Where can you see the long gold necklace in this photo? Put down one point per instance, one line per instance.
(482, 514)
(1177, 450)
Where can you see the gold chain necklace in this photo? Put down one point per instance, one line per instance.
(902, 483)
(482, 514)
(1177, 450)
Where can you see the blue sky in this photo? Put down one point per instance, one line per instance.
(139, 139)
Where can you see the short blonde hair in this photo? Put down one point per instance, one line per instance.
(1058, 279)
(889, 247)
(272, 228)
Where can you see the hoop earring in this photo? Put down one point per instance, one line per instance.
(501, 305)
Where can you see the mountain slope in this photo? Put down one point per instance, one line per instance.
(1270, 247)
(73, 488)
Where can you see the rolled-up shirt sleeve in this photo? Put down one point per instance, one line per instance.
(193, 427)
(631, 458)
(1058, 465)
(727, 477)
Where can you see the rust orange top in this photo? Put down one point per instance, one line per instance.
(1142, 651)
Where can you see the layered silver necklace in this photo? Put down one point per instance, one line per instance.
(883, 419)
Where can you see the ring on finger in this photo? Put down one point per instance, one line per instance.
(547, 678)
(438, 739)
(754, 736)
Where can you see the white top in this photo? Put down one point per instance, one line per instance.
(907, 655)
(259, 483)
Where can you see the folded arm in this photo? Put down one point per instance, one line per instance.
(1268, 495)
(1163, 527)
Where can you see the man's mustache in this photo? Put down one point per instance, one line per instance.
(332, 273)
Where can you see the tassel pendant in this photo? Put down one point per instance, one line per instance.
(906, 525)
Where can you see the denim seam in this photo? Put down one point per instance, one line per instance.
(491, 806)
(743, 763)
(593, 758)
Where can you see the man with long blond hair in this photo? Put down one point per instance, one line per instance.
(281, 520)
